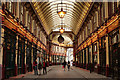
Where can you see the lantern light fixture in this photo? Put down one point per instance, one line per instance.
(61, 30)
(61, 13)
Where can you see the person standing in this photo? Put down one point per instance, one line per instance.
(39, 67)
(64, 64)
(68, 65)
(44, 67)
(35, 67)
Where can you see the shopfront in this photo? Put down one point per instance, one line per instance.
(114, 55)
(9, 50)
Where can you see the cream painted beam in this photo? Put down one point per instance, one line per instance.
(32, 26)
(91, 29)
(107, 50)
(98, 57)
(17, 11)
(16, 54)
(26, 19)
(1, 47)
(1, 51)
(25, 51)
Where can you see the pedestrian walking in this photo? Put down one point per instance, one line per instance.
(39, 67)
(35, 67)
(64, 64)
(68, 65)
(44, 67)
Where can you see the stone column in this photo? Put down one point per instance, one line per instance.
(98, 58)
(107, 55)
(2, 68)
(16, 54)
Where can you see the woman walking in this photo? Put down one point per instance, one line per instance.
(44, 67)
(35, 67)
(39, 67)
(64, 64)
(68, 65)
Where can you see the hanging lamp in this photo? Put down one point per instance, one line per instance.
(62, 12)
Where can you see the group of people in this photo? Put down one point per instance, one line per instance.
(39, 67)
(68, 65)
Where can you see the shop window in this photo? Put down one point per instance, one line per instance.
(15, 8)
(95, 48)
(103, 42)
(99, 16)
(114, 36)
(115, 6)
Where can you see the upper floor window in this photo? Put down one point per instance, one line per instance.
(110, 8)
(9, 6)
(95, 21)
(29, 19)
(84, 33)
(88, 27)
(21, 12)
(102, 13)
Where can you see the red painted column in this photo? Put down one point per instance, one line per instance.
(86, 66)
(0, 71)
(3, 71)
(107, 70)
(16, 70)
(98, 68)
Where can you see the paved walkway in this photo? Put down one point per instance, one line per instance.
(77, 73)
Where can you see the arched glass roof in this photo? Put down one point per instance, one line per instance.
(76, 12)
